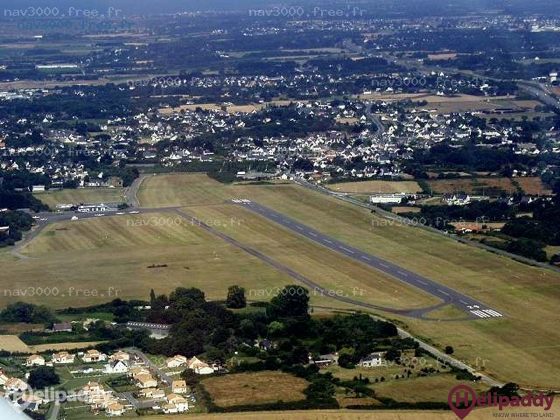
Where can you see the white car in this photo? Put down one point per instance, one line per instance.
(74, 218)
(133, 212)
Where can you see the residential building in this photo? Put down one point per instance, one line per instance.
(63, 357)
(179, 387)
(93, 356)
(176, 361)
(145, 380)
(35, 360)
(372, 360)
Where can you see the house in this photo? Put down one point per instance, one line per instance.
(115, 409)
(387, 198)
(176, 361)
(145, 380)
(138, 370)
(459, 199)
(93, 356)
(179, 387)
(152, 393)
(116, 366)
(372, 360)
(325, 360)
(15, 385)
(35, 360)
(62, 358)
(120, 355)
(62, 327)
(176, 404)
(200, 367)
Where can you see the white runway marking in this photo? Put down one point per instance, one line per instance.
(346, 249)
(492, 312)
(365, 258)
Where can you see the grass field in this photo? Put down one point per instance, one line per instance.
(376, 186)
(519, 347)
(255, 388)
(433, 388)
(95, 260)
(81, 195)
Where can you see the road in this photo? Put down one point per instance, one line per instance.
(164, 377)
(472, 307)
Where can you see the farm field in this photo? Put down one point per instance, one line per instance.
(81, 195)
(517, 347)
(477, 186)
(489, 186)
(376, 186)
(533, 186)
(255, 388)
(13, 343)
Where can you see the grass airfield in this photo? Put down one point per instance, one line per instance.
(105, 252)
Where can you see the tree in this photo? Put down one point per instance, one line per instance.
(448, 350)
(28, 313)
(152, 296)
(320, 390)
(236, 297)
(393, 355)
(190, 377)
(276, 328)
(43, 377)
(291, 302)
(346, 361)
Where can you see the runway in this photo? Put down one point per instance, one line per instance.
(474, 308)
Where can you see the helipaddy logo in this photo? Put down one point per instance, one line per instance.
(462, 399)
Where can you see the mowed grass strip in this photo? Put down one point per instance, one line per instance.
(114, 232)
(255, 388)
(166, 190)
(336, 273)
(81, 195)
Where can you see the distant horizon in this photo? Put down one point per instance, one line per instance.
(379, 7)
